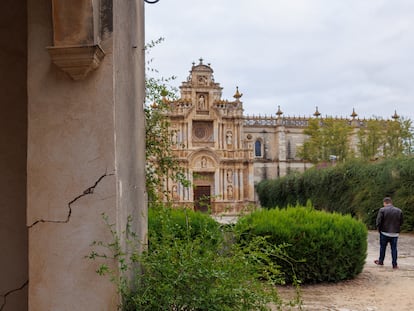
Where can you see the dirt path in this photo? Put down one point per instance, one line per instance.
(377, 288)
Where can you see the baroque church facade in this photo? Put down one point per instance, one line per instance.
(225, 153)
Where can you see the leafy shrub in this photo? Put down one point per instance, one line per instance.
(171, 224)
(191, 265)
(330, 247)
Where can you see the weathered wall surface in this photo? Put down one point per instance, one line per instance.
(71, 175)
(83, 139)
(129, 97)
(13, 129)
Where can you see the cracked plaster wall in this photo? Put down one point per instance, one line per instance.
(13, 135)
(83, 146)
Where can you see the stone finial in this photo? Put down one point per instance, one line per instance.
(316, 113)
(353, 114)
(279, 112)
(395, 116)
(237, 95)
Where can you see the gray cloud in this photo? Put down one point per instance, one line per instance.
(334, 54)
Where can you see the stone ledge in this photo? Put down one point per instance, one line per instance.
(77, 61)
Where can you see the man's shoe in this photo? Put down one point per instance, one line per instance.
(377, 262)
(395, 267)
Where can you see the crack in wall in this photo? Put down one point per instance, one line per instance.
(88, 191)
(11, 292)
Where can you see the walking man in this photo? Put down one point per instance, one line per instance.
(389, 221)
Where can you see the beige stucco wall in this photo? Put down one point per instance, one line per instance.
(129, 77)
(84, 140)
(13, 129)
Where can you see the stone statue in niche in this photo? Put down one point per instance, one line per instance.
(201, 103)
(203, 162)
(174, 192)
(230, 192)
(229, 176)
(174, 137)
(229, 138)
(177, 134)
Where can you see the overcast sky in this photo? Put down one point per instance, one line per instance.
(299, 54)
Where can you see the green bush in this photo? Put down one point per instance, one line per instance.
(355, 187)
(329, 247)
(169, 224)
(191, 264)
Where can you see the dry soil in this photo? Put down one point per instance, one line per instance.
(377, 288)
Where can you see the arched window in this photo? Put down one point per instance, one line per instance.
(258, 149)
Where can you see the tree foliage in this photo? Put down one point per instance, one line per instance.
(161, 164)
(398, 138)
(385, 139)
(328, 138)
(192, 263)
(371, 139)
(331, 138)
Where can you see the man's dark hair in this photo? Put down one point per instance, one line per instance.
(387, 200)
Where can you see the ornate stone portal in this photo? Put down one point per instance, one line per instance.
(209, 143)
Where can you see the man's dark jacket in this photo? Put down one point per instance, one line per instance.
(389, 219)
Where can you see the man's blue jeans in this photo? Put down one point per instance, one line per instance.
(384, 240)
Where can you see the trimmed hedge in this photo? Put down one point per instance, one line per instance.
(355, 187)
(324, 247)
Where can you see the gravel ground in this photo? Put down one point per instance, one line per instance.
(377, 288)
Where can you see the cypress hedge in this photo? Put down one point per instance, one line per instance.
(355, 187)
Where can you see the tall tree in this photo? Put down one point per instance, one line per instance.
(385, 139)
(371, 139)
(312, 148)
(328, 139)
(161, 164)
(398, 138)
